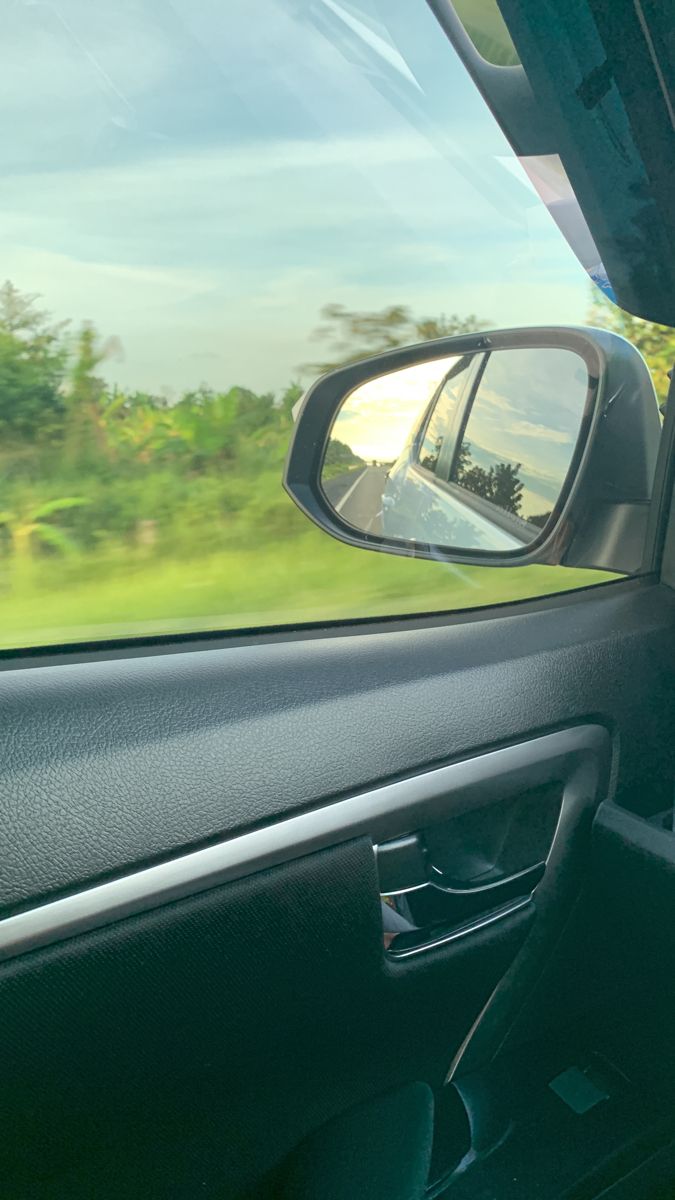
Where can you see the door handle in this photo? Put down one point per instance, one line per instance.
(404, 939)
(403, 866)
(499, 889)
(422, 907)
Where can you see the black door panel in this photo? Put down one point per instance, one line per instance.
(109, 765)
(633, 882)
(186, 1051)
(191, 1021)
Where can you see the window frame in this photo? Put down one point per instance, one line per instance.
(464, 401)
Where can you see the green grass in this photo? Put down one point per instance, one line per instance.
(306, 578)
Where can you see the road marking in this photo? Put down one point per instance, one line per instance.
(341, 503)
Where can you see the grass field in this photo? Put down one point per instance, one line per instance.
(307, 578)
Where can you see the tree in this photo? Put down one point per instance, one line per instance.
(19, 315)
(353, 335)
(339, 457)
(138, 427)
(477, 480)
(204, 424)
(87, 398)
(655, 342)
(452, 326)
(254, 412)
(507, 488)
(31, 526)
(33, 361)
(500, 484)
(288, 400)
(463, 461)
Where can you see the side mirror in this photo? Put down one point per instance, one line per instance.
(518, 446)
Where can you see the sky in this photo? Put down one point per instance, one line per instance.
(377, 418)
(528, 411)
(199, 178)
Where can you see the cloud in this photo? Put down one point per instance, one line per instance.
(124, 288)
(543, 432)
(491, 399)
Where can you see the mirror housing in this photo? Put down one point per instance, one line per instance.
(601, 517)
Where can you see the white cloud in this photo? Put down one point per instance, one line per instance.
(262, 189)
(542, 432)
(79, 285)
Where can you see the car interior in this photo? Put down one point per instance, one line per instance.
(378, 908)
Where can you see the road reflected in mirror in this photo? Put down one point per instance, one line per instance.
(467, 451)
(369, 434)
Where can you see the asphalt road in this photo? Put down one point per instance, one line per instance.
(357, 497)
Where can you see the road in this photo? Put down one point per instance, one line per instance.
(357, 497)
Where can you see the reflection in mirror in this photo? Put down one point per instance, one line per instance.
(468, 451)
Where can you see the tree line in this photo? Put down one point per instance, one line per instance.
(84, 465)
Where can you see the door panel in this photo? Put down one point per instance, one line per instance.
(187, 1050)
(194, 1045)
(111, 764)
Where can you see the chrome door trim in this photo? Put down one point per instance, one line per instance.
(462, 931)
(578, 757)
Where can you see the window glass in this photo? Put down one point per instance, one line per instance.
(522, 430)
(202, 210)
(486, 27)
(442, 423)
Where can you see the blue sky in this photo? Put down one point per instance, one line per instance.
(199, 178)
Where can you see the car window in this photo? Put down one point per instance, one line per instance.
(485, 26)
(504, 440)
(201, 213)
(442, 426)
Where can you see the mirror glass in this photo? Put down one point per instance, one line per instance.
(470, 452)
